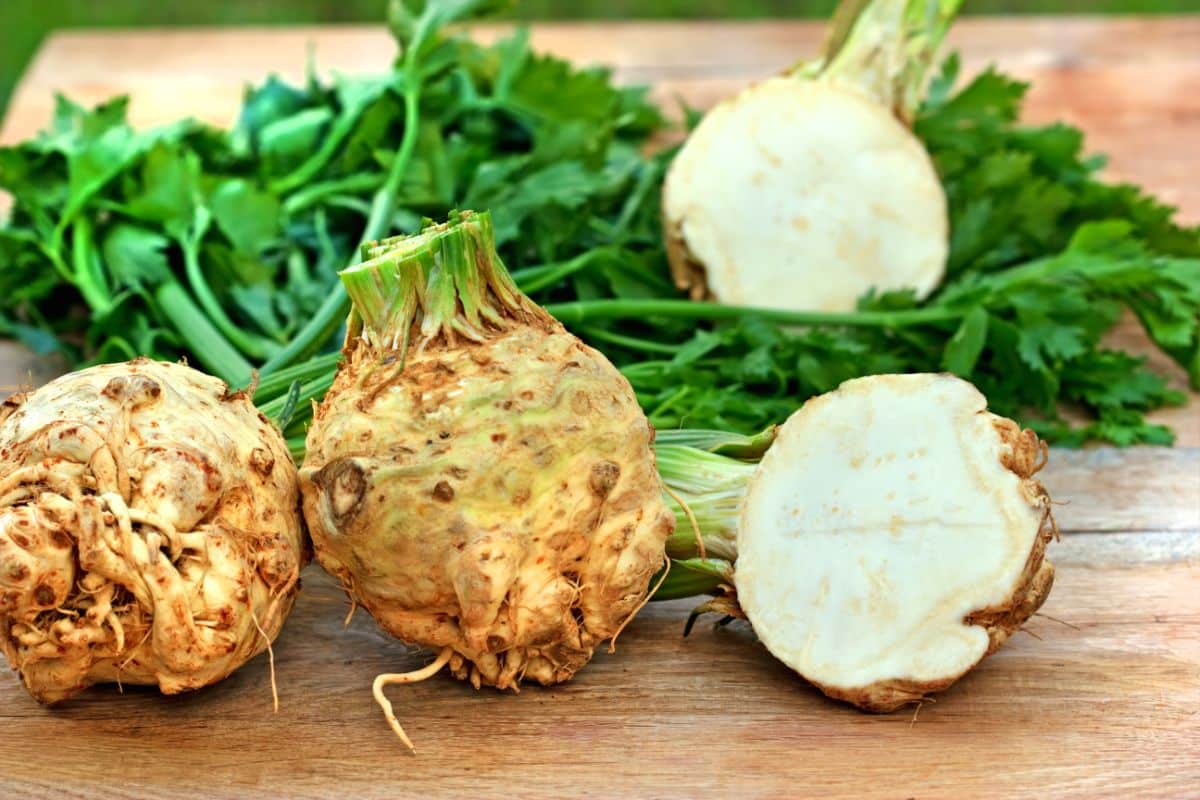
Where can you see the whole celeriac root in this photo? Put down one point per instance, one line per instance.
(891, 537)
(479, 479)
(149, 530)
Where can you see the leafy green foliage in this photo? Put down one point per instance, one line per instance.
(222, 245)
(272, 209)
(1044, 259)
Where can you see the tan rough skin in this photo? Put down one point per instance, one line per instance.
(149, 530)
(687, 271)
(496, 497)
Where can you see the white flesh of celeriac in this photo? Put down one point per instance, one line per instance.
(884, 515)
(803, 195)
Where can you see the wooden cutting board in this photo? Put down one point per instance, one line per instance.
(1098, 696)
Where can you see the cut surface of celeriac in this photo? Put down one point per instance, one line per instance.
(892, 536)
(804, 195)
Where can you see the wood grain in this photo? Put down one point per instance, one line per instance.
(1098, 697)
(1106, 489)
(1102, 702)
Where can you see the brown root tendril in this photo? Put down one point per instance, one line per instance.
(612, 644)
(270, 661)
(691, 519)
(416, 676)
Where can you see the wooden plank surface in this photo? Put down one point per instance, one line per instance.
(1098, 697)
(1100, 704)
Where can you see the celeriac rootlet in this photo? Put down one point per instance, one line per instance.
(477, 478)
(150, 530)
(807, 190)
(892, 535)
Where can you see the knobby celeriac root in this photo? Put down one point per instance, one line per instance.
(149, 523)
(461, 511)
(479, 479)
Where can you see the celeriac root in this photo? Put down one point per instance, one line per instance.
(416, 676)
(477, 477)
(893, 536)
(148, 525)
(807, 190)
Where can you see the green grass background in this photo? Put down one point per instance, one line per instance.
(24, 23)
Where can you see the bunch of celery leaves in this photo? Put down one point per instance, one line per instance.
(223, 247)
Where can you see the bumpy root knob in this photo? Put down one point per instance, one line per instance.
(149, 530)
(497, 498)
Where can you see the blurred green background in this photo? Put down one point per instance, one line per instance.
(23, 23)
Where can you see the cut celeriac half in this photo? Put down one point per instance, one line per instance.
(807, 190)
(891, 537)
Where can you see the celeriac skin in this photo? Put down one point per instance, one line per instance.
(149, 530)
(477, 477)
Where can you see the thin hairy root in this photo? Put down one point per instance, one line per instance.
(725, 604)
(1051, 521)
(353, 603)
(691, 519)
(134, 651)
(416, 676)
(118, 629)
(283, 592)
(1070, 625)
(612, 644)
(270, 661)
